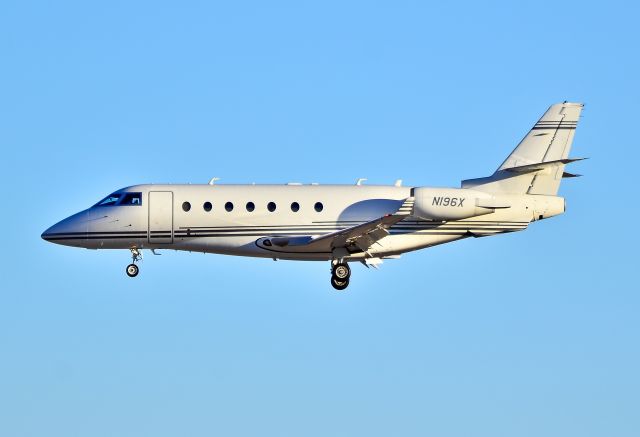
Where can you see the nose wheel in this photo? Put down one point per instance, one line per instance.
(340, 274)
(132, 269)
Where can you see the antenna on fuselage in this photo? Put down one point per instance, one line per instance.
(398, 183)
(213, 181)
(360, 181)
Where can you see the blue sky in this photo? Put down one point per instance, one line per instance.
(527, 334)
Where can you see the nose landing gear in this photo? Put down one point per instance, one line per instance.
(132, 269)
(340, 274)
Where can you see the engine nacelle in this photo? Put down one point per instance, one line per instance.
(444, 204)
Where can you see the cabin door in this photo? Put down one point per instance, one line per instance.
(160, 217)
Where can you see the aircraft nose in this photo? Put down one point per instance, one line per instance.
(71, 231)
(53, 232)
(46, 235)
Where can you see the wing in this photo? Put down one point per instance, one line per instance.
(358, 238)
(361, 236)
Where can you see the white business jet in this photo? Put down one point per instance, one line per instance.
(336, 223)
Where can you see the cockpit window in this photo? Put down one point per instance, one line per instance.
(121, 199)
(131, 199)
(110, 200)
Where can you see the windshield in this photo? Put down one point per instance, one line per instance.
(110, 200)
(121, 199)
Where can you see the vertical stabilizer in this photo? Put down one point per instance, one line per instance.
(549, 141)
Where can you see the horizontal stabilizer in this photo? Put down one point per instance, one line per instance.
(541, 165)
(570, 175)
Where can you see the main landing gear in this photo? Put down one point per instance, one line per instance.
(340, 274)
(132, 269)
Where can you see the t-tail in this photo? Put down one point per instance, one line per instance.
(537, 164)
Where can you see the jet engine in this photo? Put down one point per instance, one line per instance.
(444, 204)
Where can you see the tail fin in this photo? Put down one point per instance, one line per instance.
(536, 166)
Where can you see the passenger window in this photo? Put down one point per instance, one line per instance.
(186, 206)
(318, 207)
(228, 206)
(250, 206)
(207, 206)
(271, 206)
(110, 200)
(295, 207)
(132, 199)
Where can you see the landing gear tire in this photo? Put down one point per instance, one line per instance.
(341, 271)
(132, 270)
(339, 284)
